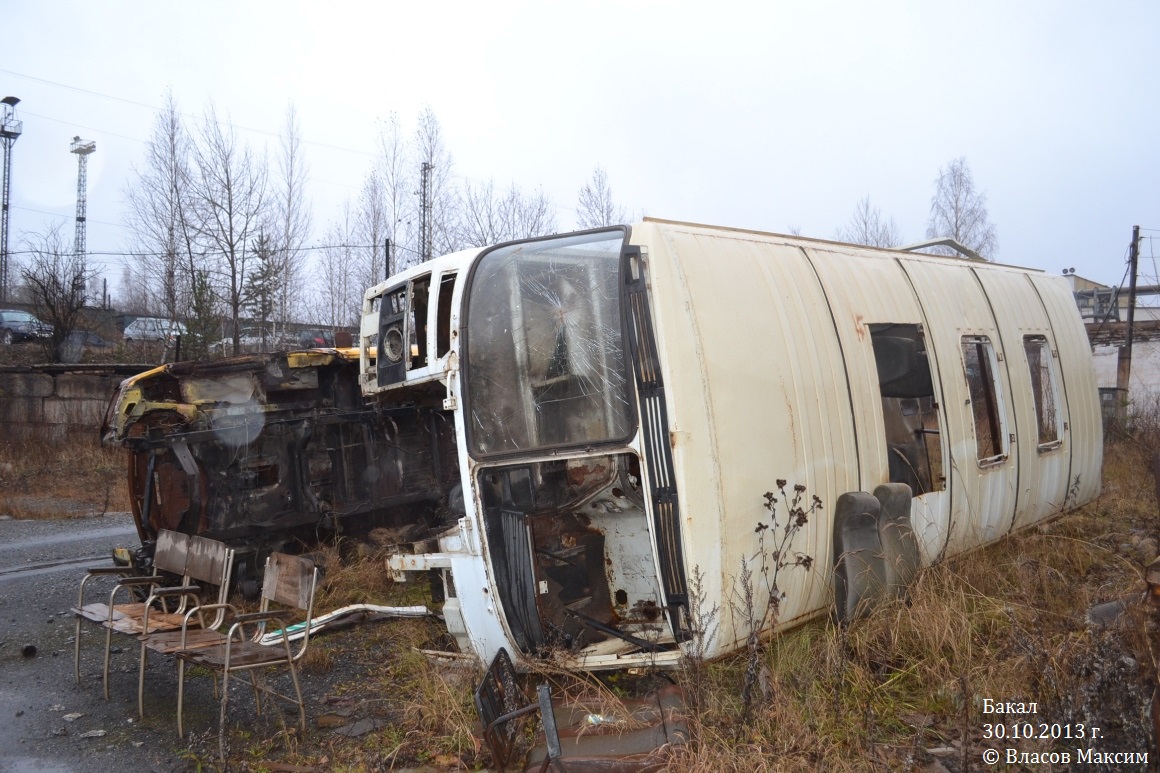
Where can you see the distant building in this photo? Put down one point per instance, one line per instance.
(1104, 311)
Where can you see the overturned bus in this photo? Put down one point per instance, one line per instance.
(620, 400)
(573, 436)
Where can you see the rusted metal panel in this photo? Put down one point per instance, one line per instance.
(264, 449)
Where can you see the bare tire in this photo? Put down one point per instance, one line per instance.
(7, 338)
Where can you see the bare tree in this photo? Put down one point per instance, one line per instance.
(229, 196)
(399, 206)
(488, 217)
(959, 210)
(55, 280)
(135, 297)
(291, 221)
(595, 206)
(338, 302)
(868, 226)
(371, 231)
(157, 212)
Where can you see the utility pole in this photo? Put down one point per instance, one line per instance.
(387, 261)
(1124, 363)
(10, 129)
(425, 212)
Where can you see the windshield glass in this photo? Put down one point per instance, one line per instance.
(545, 359)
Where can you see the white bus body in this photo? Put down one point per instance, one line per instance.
(622, 399)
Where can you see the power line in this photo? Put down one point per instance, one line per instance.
(183, 114)
(82, 126)
(65, 217)
(219, 253)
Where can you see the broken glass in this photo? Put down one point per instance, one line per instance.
(545, 365)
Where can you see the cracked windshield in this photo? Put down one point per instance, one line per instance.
(545, 351)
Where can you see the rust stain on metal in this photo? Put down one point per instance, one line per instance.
(580, 474)
(859, 326)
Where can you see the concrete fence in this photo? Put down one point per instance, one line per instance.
(51, 402)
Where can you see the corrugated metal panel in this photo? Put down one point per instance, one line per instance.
(1083, 401)
(982, 497)
(870, 289)
(1042, 473)
(765, 347)
(758, 392)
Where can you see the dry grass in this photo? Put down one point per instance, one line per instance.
(69, 478)
(1006, 622)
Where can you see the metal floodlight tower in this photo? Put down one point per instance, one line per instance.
(10, 129)
(82, 149)
(425, 211)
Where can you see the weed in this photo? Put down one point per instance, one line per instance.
(772, 557)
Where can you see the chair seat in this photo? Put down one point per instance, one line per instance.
(242, 654)
(129, 618)
(168, 642)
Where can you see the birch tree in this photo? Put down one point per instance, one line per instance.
(868, 226)
(399, 206)
(291, 221)
(595, 206)
(229, 196)
(339, 301)
(371, 230)
(489, 217)
(959, 210)
(157, 213)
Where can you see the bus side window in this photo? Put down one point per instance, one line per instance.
(420, 288)
(981, 368)
(909, 410)
(443, 316)
(1041, 363)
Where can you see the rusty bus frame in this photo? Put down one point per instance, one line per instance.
(267, 451)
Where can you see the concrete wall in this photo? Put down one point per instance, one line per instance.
(50, 402)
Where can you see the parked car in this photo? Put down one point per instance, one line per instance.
(314, 339)
(249, 340)
(16, 326)
(153, 329)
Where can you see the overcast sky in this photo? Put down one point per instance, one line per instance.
(763, 115)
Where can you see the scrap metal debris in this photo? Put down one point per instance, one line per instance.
(349, 615)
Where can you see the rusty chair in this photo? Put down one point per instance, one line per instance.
(193, 559)
(289, 582)
(575, 739)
